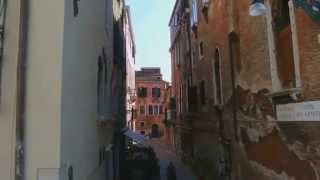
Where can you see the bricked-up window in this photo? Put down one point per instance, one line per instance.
(284, 44)
(142, 110)
(217, 78)
(203, 92)
(156, 92)
(150, 110)
(142, 92)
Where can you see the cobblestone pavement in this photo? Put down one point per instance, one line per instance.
(165, 156)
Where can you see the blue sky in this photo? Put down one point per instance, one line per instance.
(150, 20)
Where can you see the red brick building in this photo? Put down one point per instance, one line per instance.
(246, 77)
(150, 104)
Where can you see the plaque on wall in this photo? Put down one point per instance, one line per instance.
(305, 111)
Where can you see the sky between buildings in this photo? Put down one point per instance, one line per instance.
(150, 20)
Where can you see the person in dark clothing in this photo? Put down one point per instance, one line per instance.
(171, 172)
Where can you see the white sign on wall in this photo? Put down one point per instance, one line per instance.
(306, 111)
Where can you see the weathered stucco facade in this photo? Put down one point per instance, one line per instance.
(130, 68)
(53, 124)
(244, 67)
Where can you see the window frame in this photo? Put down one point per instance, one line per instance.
(154, 93)
(142, 110)
(194, 13)
(150, 110)
(155, 109)
(141, 93)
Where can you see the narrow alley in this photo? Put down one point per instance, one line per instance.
(165, 156)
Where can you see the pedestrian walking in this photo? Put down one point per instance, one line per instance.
(171, 172)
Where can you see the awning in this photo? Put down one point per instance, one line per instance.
(136, 137)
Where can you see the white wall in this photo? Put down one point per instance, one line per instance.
(8, 92)
(84, 39)
(43, 81)
(130, 63)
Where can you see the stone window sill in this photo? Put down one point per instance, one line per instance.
(292, 92)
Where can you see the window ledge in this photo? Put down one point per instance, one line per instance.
(293, 92)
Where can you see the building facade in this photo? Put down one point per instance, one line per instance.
(181, 77)
(150, 102)
(254, 79)
(62, 90)
(130, 68)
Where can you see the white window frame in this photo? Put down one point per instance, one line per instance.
(194, 13)
(276, 83)
(155, 109)
(205, 3)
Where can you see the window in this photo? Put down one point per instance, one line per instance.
(194, 13)
(142, 92)
(160, 109)
(150, 110)
(281, 13)
(142, 110)
(156, 109)
(201, 50)
(192, 99)
(75, 8)
(205, 3)
(284, 44)
(217, 78)
(156, 92)
(142, 124)
(101, 84)
(202, 93)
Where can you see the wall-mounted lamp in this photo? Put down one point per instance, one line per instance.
(257, 8)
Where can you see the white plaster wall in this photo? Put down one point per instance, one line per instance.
(8, 92)
(130, 63)
(43, 85)
(84, 38)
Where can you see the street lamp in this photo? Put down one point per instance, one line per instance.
(257, 8)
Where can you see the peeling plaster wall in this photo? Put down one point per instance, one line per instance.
(268, 150)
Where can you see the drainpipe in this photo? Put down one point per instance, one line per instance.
(20, 92)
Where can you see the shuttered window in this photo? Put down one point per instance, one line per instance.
(156, 92)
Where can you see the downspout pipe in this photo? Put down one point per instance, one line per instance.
(21, 91)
